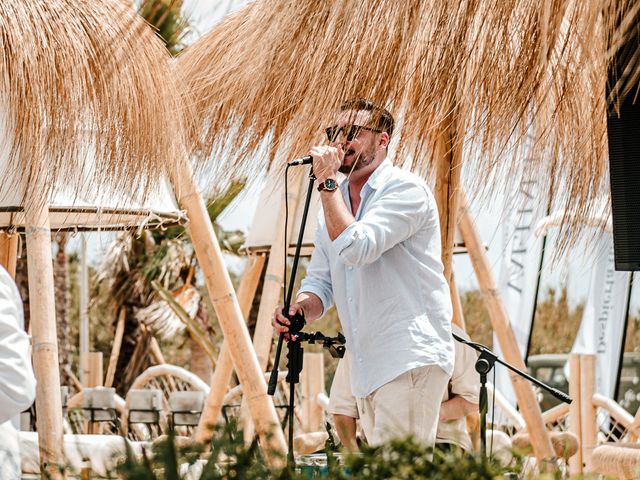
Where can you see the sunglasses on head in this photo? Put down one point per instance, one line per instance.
(349, 131)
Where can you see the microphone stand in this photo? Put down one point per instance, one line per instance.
(484, 364)
(294, 349)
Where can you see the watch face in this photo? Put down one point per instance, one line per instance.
(330, 184)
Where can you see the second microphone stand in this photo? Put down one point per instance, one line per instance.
(485, 362)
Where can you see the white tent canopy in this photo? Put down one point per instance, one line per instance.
(264, 225)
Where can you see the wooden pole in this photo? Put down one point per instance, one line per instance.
(115, 349)
(84, 302)
(227, 309)
(44, 338)
(525, 395)
(9, 252)
(458, 316)
(92, 366)
(155, 352)
(312, 384)
(224, 365)
(448, 172)
(587, 408)
(575, 416)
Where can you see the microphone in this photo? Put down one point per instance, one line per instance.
(306, 160)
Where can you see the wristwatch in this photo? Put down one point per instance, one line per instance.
(329, 185)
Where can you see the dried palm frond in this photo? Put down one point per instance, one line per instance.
(162, 319)
(188, 319)
(83, 80)
(115, 259)
(492, 71)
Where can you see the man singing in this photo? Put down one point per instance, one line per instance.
(377, 256)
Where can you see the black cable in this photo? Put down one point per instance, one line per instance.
(286, 226)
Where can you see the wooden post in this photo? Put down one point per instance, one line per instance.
(312, 383)
(115, 349)
(588, 410)
(458, 316)
(224, 365)
(448, 172)
(83, 319)
(44, 337)
(525, 395)
(92, 368)
(575, 416)
(92, 372)
(227, 309)
(9, 252)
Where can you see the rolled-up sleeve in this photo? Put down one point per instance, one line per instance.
(394, 217)
(17, 382)
(318, 279)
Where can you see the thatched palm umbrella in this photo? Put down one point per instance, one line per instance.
(469, 80)
(495, 71)
(77, 77)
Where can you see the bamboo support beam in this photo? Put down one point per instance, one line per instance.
(575, 415)
(9, 252)
(458, 315)
(44, 338)
(525, 395)
(448, 174)
(312, 384)
(92, 366)
(227, 309)
(224, 365)
(588, 422)
(115, 349)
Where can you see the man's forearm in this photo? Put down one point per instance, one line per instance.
(336, 213)
(311, 305)
(456, 407)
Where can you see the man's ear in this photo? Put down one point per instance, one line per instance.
(384, 140)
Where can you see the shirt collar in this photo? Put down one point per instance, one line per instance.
(380, 174)
(376, 179)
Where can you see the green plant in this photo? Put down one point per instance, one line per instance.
(229, 458)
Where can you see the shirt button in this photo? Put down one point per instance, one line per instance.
(349, 268)
(351, 299)
(360, 359)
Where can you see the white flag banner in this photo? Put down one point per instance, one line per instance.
(517, 283)
(604, 316)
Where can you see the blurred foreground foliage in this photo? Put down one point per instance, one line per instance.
(229, 458)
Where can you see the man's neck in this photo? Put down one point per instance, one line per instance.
(358, 178)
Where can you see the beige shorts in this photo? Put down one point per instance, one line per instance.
(341, 400)
(407, 405)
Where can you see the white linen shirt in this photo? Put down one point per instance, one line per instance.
(17, 382)
(385, 275)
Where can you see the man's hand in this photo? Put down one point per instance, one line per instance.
(282, 323)
(326, 161)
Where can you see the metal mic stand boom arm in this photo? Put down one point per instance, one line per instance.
(484, 364)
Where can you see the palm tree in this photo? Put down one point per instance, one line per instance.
(124, 282)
